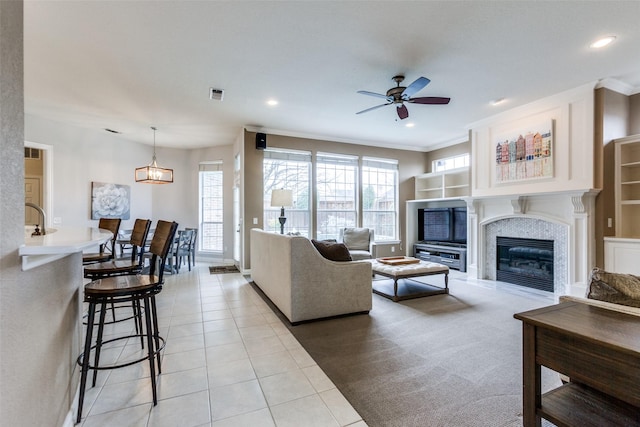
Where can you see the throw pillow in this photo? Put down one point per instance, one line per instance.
(332, 251)
(616, 288)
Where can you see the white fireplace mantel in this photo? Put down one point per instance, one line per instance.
(564, 216)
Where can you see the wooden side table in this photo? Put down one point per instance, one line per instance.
(598, 349)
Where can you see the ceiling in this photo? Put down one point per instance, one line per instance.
(129, 65)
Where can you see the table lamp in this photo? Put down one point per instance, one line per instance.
(281, 198)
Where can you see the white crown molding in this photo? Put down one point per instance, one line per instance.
(449, 143)
(280, 132)
(617, 86)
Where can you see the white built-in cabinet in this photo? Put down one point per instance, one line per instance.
(627, 187)
(621, 252)
(439, 185)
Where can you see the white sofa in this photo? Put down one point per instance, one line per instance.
(302, 283)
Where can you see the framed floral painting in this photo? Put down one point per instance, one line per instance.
(110, 200)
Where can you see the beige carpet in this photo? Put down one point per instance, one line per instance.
(445, 360)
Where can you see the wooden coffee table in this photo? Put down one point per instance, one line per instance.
(401, 287)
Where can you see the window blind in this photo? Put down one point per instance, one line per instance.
(380, 163)
(211, 166)
(289, 155)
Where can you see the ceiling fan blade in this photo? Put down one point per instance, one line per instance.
(414, 87)
(429, 100)
(372, 108)
(403, 113)
(377, 95)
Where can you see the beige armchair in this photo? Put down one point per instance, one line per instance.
(359, 241)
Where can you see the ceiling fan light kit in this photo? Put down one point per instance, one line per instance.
(400, 94)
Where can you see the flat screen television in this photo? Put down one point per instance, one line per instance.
(446, 225)
(459, 225)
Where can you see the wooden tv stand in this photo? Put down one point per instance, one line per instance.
(598, 349)
(453, 256)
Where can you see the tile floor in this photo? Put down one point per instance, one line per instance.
(228, 361)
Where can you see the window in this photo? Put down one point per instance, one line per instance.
(31, 153)
(291, 170)
(454, 162)
(211, 236)
(336, 182)
(380, 197)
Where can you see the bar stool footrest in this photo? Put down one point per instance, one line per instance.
(133, 362)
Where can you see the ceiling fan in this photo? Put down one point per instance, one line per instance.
(399, 95)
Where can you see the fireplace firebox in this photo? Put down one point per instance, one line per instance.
(525, 262)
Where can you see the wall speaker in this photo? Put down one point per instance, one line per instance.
(261, 141)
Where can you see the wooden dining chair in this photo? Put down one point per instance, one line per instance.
(183, 248)
(178, 251)
(107, 250)
(194, 246)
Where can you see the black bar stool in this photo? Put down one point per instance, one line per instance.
(122, 267)
(129, 288)
(107, 252)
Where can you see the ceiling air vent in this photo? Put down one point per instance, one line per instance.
(216, 94)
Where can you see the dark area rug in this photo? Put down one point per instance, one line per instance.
(443, 360)
(221, 269)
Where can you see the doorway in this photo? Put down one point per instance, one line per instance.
(38, 160)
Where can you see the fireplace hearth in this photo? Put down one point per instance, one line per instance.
(525, 262)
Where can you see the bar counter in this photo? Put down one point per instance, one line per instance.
(58, 243)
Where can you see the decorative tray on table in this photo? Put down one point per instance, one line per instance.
(398, 260)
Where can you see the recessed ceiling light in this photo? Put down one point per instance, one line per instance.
(604, 41)
(272, 102)
(410, 125)
(498, 101)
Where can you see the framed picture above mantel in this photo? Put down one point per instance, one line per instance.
(525, 154)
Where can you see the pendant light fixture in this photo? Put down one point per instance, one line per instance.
(154, 174)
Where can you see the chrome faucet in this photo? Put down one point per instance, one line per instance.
(42, 216)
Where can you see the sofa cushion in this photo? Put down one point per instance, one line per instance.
(356, 238)
(616, 288)
(332, 251)
(357, 255)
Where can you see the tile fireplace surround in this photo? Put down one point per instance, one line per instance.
(567, 218)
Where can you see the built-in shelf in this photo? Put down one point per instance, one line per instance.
(454, 256)
(441, 185)
(627, 187)
(622, 250)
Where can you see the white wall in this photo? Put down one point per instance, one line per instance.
(81, 156)
(85, 155)
(565, 198)
(40, 308)
(572, 113)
